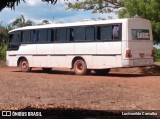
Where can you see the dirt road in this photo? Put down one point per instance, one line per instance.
(120, 90)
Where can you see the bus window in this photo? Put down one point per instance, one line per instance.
(90, 33)
(61, 35)
(140, 34)
(69, 34)
(49, 35)
(14, 40)
(34, 36)
(42, 36)
(79, 34)
(116, 32)
(105, 33)
(26, 37)
(108, 33)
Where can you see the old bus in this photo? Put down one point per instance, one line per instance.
(82, 46)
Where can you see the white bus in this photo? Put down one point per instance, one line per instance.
(82, 46)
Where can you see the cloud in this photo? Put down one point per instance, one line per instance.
(33, 2)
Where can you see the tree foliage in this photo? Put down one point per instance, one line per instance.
(3, 40)
(148, 9)
(21, 22)
(45, 21)
(4, 33)
(97, 6)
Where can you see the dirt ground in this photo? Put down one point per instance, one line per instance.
(121, 89)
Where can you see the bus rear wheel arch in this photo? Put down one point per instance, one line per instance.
(80, 67)
(24, 65)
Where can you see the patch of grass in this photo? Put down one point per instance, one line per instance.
(156, 55)
(3, 48)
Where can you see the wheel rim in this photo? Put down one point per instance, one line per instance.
(24, 65)
(79, 66)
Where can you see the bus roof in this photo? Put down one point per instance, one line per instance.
(92, 22)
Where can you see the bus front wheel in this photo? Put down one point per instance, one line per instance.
(24, 65)
(80, 67)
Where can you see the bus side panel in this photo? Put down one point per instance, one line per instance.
(42, 57)
(103, 62)
(45, 49)
(109, 55)
(25, 49)
(59, 61)
(64, 48)
(11, 59)
(86, 48)
(61, 57)
(109, 48)
(98, 62)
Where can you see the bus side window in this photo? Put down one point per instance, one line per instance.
(116, 32)
(79, 34)
(104, 33)
(34, 36)
(26, 36)
(49, 35)
(69, 34)
(15, 38)
(90, 33)
(61, 35)
(44, 35)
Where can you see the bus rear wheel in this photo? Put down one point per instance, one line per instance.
(80, 67)
(102, 71)
(24, 65)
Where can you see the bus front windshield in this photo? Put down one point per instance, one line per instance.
(14, 41)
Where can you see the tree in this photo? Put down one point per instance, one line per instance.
(45, 22)
(21, 22)
(148, 9)
(97, 6)
(4, 36)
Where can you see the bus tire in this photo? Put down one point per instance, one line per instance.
(102, 71)
(24, 65)
(80, 67)
(47, 70)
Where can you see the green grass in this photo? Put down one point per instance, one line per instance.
(156, 55)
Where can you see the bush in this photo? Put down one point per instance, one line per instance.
(3, 49)
(156, 55)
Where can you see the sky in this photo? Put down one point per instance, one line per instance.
(37, 11)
